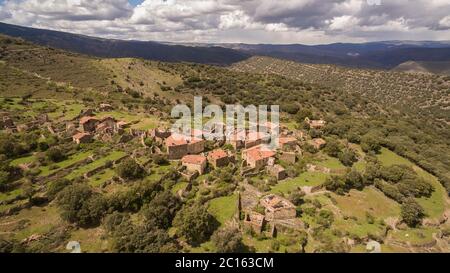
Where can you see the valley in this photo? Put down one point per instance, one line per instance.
(86, 156)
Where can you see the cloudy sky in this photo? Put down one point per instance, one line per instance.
(248, 21)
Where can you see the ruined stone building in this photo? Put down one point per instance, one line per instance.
(277, 208)
(88, 124)
(316, 124)
(317, 143)
(277, 171)
(82, 138)
(255, 221)
(287, 143)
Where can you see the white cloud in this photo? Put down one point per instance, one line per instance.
(343, 22)
(445, 22)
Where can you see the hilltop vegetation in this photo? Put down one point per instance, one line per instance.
(442, 68)
(412, 95)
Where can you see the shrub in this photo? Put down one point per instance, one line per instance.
(412, 213)
(130, 169)
(55, 154)
(228, 240)
(195, 224)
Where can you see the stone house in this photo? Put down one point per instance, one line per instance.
(257, 157)
(195, 163)
(88, 124)
(176, 147)
(316, 124)
(220, 158)
(82, 138)
(107, 125)
(288, 157)
(318, 143)
(277, 171)
(105, 107)
(277, 208)
(287, 143)
(195, 145)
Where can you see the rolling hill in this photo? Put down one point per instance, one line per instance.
(442, 68)
(414, 94)
(106, 48)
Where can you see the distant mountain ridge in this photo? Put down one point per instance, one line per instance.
(109, 48)
(378, 55)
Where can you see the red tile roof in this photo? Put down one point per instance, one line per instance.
(175, 141)
(259, 153)
(194, 159)
(287, 140)
(217, 154)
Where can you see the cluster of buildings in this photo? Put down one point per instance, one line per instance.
(190, 150)
(7, 123)
(253, 147)
(103, 128)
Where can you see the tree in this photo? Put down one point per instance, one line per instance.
(348, 157)
(55, 187)
(228, 240)
(162, 209)
(303, 114)
(80, 205)
(55, 154)
(370, 143)
(296, 197)
(303, 239)
(130, 238)
(412, 213)
(159, 159)
(354, 180)
(28, 191)
(4, 180)
(371, 173)
(325, 218)
(333, 148)
(290, 108)
(130, 169)
(195, 224)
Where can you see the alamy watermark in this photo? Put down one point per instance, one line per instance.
(236, 123)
